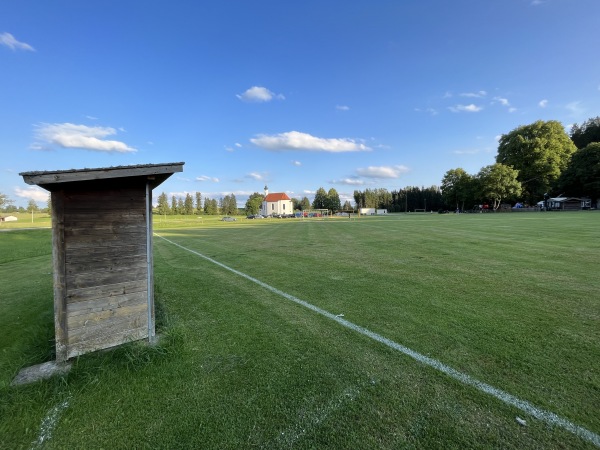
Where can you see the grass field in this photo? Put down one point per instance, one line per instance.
(510, 300)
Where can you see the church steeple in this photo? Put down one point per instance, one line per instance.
(266, 190)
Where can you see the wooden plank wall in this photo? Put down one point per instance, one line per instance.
(105, 269)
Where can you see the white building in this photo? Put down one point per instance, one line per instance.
(276, 203)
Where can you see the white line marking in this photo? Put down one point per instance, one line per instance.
(543, 415)
(49, 424)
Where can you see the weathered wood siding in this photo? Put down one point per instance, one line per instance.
(102, 294)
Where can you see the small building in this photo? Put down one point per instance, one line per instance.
(102, 254)
(564, 204)
(276, 203)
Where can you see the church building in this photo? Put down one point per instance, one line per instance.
(276, 203)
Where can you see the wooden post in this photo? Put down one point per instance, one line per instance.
(60, 272)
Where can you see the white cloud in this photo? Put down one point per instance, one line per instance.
(382, 171)
(502, 101)
(543, 103)
(68, 135)
(259, 94)
(296, 163)
(257, 176)
(238, 145)
(8, 40)
(465, 108)
(294, 140)
(33, 193)
(349, 181)
(342, 108)
(478, 94)
(537, 2)
(207, 178)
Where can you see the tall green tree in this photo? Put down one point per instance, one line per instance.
(163, 204)
(229, 205)
(333, 201)
(499, 182)
(198, 203)
(188, 204)
(347, 206)
(457, 186)
(174, 205)
(582, 176)
(320, 200)
(586, 133)
(540, 152)
(254, 203)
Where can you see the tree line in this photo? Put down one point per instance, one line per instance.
(533, 161)
(196, 205)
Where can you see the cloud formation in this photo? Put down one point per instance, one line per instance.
(465, 108)
(207, 178)
(8, 40)
(349, 181)
(68, 135)
(382, 171)
(342, 108)
(32, 193)
(295, 140)
(543, 103)
(478, 94)
(259, 94)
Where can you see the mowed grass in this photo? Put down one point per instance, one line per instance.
(509, 299)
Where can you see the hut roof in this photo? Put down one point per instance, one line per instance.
(53, 179)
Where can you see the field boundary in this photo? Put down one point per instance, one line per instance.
(548, 417)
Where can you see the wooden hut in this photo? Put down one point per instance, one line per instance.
(102, 254)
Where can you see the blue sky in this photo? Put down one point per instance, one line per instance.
(350, 94)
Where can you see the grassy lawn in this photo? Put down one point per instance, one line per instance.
(509, 299)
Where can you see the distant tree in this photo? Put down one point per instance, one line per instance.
(457, 187)
(198, 203)
(163, 204)
(32, 206)
(499, 182)
(586, 133)
(320, 200)
(174, 205)
(49, 205)
(254, 203)
(180, 206)
(211, 207)
(304, 204)
(188, 204)
(229, 205)
(295, 204)
(333, 201)
(539, 152)
(347, 206)
(582, 176)
(4, 201)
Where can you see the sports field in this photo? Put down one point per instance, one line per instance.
(405, 331)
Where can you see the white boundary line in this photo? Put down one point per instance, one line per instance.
(543, 415)
(49, 423)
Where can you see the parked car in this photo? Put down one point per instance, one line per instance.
(228, 219)
(255, 216)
